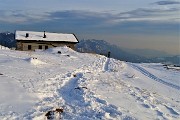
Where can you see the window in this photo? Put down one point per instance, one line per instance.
(29, 47)
(40, 46)
(46, 47)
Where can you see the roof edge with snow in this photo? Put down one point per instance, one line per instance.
(39, 36)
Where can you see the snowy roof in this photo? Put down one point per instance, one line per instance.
(32, 35)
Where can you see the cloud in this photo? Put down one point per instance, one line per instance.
(22, 17)
(82, 18)
(90, 18)
(167, 2)
(98, 19)
(148, 15)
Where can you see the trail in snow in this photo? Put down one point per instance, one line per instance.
(73, 94)
(81, 101)
(106, 63)
(138, 97)
(149, 100)
(148, 74)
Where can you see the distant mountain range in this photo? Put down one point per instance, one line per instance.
(175, 60)
(103, 47)
(7, 39)
(130, 55)
(148, 53)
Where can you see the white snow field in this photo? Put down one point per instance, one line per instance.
(85, 86)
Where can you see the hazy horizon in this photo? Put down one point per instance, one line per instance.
(137, 25)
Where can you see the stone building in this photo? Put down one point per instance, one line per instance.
(30, 40)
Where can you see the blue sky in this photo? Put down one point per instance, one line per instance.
(142, 24)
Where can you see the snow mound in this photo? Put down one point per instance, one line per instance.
(63, 50)
(4, 48)
(173, 67)
(35, 61)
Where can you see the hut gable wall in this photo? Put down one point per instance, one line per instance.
(35, 45)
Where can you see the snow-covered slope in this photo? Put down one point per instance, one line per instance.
(84, 87)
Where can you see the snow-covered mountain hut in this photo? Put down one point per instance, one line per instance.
(30, 40)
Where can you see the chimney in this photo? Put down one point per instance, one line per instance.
(44, 35)
(27, 35)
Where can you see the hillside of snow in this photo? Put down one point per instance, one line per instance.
(85, 87)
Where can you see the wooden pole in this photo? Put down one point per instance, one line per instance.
(109, 54)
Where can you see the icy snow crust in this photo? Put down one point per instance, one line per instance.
(85, 86)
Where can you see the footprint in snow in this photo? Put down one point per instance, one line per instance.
(171, 110)
(146, 105)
